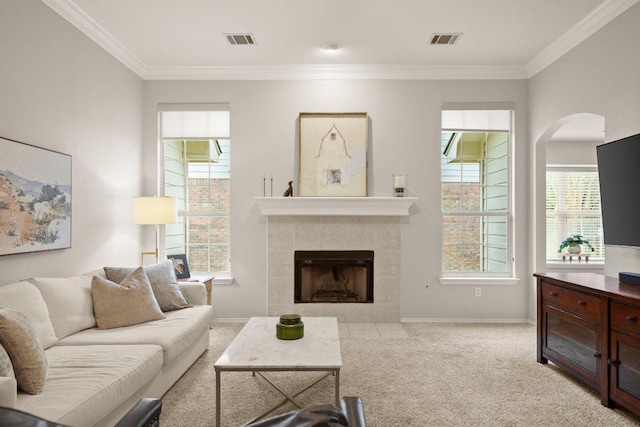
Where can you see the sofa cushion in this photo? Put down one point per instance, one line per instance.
(177, 332)
(69, 303)
(27, 299)
(164, 283)
(6, 367)
(94, 380)
(19, 339)
(124, 304)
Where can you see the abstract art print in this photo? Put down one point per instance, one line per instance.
(333, 154)
(35, 198)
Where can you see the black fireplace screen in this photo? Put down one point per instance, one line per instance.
(333, 277)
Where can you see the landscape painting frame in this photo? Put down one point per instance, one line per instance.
(333, 154)
(35, 198)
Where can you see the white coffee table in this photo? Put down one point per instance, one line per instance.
(257, 349)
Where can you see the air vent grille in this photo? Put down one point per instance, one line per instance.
(240, 39)
(450, 38)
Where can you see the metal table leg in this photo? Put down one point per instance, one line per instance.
(217, 398)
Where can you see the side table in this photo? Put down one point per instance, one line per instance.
(204, 278)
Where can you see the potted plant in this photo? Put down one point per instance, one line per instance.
(573, 244)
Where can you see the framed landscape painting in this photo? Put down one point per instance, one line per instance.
(333, 154)
(35, 198)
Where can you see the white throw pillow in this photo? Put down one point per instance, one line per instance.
(69, 302)
(27, 299)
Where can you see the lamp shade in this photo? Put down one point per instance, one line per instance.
(154, 210)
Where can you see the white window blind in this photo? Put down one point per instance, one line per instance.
(476, 120)
(195, 124)
(573, 207)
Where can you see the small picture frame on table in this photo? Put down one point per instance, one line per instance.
(180, 265)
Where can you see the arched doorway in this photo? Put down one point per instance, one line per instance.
(571, 139)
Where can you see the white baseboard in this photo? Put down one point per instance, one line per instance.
(411, 320)
(462, 320)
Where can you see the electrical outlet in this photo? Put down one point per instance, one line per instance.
(478, 292)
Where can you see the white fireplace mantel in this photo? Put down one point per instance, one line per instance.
(354, 206)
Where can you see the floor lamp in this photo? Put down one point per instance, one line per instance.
(154, 211)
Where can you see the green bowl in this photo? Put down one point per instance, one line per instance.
(289, 332)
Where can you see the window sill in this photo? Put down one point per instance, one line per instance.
(586, 266)
(222, 280)
(479, 281)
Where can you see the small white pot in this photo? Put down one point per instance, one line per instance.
(574, 250)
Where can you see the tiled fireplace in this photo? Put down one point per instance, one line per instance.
(379, 234)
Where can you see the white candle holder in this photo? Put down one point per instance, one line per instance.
(399, 185)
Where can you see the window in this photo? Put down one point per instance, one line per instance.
(475, 192)
(196, 147)
(573, 207)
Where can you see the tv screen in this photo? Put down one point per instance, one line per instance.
(619, 172)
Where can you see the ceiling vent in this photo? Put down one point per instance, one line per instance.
(450, 38)
(240, 39)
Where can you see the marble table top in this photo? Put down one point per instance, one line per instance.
(256, 346)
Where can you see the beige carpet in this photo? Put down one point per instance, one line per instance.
(441, 375)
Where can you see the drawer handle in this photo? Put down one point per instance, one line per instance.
(613, 362)
(554, 294)
(582, 303)
(597, 355)
(632, 318)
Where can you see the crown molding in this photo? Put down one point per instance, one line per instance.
(596, 19)
(79, 18)
(335, 72)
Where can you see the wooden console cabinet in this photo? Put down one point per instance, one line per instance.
(589, 324)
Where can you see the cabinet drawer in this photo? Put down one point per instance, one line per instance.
(588, 307)
(625, 317)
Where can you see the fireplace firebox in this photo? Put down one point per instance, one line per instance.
(333, 277)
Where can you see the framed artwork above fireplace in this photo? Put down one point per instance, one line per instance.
(333, 154)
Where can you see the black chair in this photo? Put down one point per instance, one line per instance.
(350, 413)
(146, 413)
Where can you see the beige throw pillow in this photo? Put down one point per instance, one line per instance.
(163, 281)
(21, 342)
(127, 303)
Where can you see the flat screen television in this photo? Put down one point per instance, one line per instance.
(619, 173)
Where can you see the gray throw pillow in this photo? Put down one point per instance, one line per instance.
(123, 304)
(6, 368)
(21, 342)
(163, 281)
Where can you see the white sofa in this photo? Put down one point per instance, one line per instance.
(96, 375)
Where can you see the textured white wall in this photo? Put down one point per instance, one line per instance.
(405, 138)
(59, 90)
(599, 76)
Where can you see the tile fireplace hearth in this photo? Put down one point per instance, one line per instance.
(378, 234)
